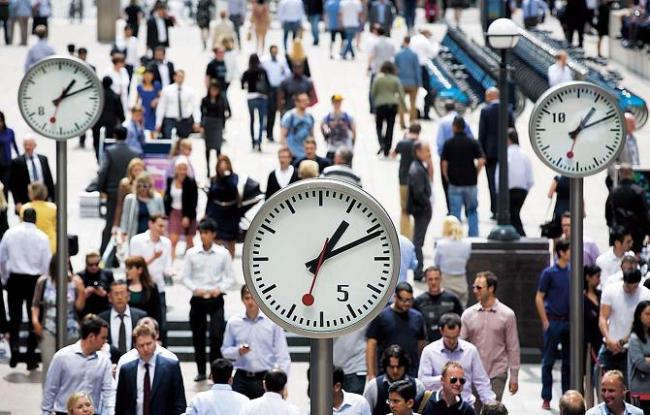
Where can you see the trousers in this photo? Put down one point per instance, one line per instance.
(557, 333)
(385, 114)
(421, 220)
(200, 310)
(20, 290)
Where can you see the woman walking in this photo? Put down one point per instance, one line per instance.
(139, 206)
(387, 94)
(214, 111)
(258, 88)
(260, 20)
(181, 197)
(223, 204)
(148, 95)
(452, 253)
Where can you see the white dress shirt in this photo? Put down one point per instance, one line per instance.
(115, 327)
(120, 86)
(24, 249)
(269, 403)
(140, 381)
(220, 400)
(290, 11)
(161, 27)
(133, 354)
(353, 404)
(30, 168)
(276, 70)
(207, 270)
(165, 76)
(424, 48)
(168, 104)
(520, 171)
(558, 74)
(283, 176)
(144, 246)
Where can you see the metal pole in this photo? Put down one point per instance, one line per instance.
(577, 301)
(321, 363)
(61, 243)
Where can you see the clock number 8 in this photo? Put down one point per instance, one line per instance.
(41, 110)
(559, 117)
(342, 289)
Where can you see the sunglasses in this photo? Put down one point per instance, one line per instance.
(143, 186)
(477, 287)
(92, 264)
(454, 379)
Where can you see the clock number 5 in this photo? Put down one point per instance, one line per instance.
(342, 290)
(559, 117)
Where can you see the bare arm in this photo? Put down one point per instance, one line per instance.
(551, 190)
(479, 165)
(603, 324)
(445, 167)
(371, 358)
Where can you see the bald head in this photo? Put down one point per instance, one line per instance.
(491, 94)
(572, 403)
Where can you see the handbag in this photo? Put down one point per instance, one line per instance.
(551, 228)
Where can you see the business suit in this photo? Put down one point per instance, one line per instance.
(19, 178)
(112, 170)
(419, 205)
(136, 315)
(488, 137)
(383, 17)
(153, 66)
(152, 33)
(167, 391)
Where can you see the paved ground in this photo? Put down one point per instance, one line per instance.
(379, 176)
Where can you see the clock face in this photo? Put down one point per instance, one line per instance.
(577, 129)
(60, 97)
(321, 258)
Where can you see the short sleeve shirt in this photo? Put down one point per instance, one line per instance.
(217, 70)
(298, 129)
(622, 307)
(555, 283)
(350, 10)
(405, 330)
(460, 153)
(433, 307)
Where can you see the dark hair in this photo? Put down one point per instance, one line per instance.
(637, 325)
(29, 215)
(561, 245)
(82, 51)
(589, 271)
(490, 278)
(449, 320)
(207, 225)
(275, 380)
(431, 268)
(403, 286)
(458, 124)
(403, 388)
(513, 136)
(107, 82)
(253, 62)
(119, 133)
(338, 376)
(632, 277)
(156, 216)
(148, 285)
(380, 30)
(388, 67)
(619, 233)
(244, 290)
(345, 154)
(221, 371)
(494, 408)
(4, 122)
(415, 128)
(397, 352)
(407, 39)
(450, 105)
(117, 282)
(70, 47)
(91, 324)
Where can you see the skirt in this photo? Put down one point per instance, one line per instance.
(174, 225)
(213, 132)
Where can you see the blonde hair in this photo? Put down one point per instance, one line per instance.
(308, 169)
(132, 164)
(297, 51)
(451, 228)
(76, 397)
(176, 148)
(38, 191)
(143, 178)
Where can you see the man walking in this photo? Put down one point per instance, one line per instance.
(272, 402)
(462, 161)
(220, 399)
(30, 167)
(297, 125)
(408, 70)
(177, 108)
(419, 200)
(290, 14)
(405, 150)
(276, 70)
(448, 398)
(436, 302)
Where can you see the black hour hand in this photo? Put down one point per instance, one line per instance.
(332, 242)
(311, 264)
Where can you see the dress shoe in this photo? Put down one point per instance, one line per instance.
(546, 405)
(13, 361)
(200, 377)
(32, 366)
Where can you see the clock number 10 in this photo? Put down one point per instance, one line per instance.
(343, 293)
(559, 117)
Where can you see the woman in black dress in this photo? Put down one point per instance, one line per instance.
(214, 111)
(561, 186)
(602, 22)
(593, 337)
(223, 203)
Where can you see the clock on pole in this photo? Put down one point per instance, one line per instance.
(321, 259)
(577, 129)
(60, 97)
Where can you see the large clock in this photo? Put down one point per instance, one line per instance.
(60, 97)
(577, 129)
(321, 258)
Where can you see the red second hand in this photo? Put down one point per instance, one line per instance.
(308, 299)
(570, 154)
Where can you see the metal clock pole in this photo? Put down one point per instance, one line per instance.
(61, 243)
(577, 302)
(321, 363)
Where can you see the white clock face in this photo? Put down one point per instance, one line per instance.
(577, 129)
(60, 97)
(333, 224)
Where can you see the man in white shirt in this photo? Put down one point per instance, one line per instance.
(346, 403)
(24, 256)
(276, 71)
(120, 77)
(290, 14)
(350, 16)
(610, 260)
(207, 273)
(221, 399)
(177, 108)
(423, 45)
(560, 72)
(272, 402)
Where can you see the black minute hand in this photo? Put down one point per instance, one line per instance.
(344, 248)
(332, 243)
(75, 92)
(599, 121)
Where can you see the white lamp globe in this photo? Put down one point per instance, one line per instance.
(503, 34)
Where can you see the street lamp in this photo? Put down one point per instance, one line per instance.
(503, 35)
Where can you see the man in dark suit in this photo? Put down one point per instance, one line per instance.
(121, 320)
(29, 168)
(162, 391)
(382, 13)
(158, 27)
(419, 200)
(112, 170)
(488, 136)
(163, 70)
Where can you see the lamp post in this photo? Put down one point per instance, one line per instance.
(503, 35)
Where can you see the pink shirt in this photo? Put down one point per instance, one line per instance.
(494, 333)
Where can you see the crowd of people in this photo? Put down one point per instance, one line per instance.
(439, 352)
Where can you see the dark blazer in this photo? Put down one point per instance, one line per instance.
(167, 391)
(488, 129)
(19, 178)
(189, 198)
(113, 168)
(419, 195)
(153, 66)
(273, 186)
(136, 315)
(389, 15)
(152, 33)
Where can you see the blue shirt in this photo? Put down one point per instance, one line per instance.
(298, 129)
(532, 8)
(555, 283)
(37, 52)
(603, 410)
(404, 329)
(408, 67)
(219, 400)
(407, 257)
(445, 132)
(267, 342)
(332, 14)
(7, 142)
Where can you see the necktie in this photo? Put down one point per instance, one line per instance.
(35, 176)
(180, 106)
(146, 400)
(121, 339)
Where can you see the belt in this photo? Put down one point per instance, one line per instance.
(250, 375)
